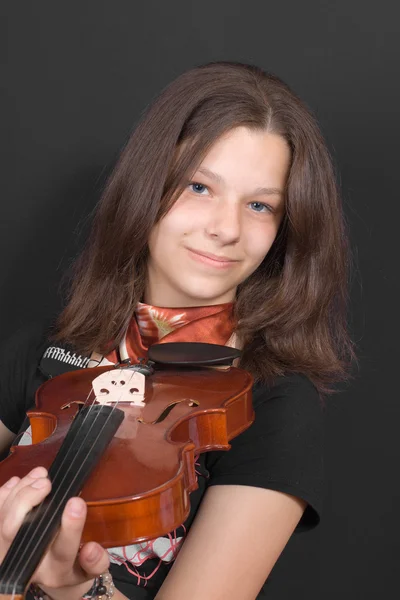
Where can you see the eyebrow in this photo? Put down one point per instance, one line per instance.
(261, 191)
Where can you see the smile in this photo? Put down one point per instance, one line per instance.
(218, 262)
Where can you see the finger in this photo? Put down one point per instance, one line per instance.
(24, 500)
(8, 499)
(93, 559)
(66, 545)
(6, 489)
(61, 563)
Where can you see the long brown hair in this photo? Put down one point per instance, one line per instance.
(292, 310)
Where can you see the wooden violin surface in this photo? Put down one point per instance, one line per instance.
(140, 488)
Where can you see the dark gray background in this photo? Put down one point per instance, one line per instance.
(77, 76)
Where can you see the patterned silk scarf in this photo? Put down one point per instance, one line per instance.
(154, 325)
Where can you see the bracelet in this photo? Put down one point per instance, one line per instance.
(102, 589)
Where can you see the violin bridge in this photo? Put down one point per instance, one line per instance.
(120, 386)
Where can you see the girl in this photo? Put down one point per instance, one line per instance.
(221, 223)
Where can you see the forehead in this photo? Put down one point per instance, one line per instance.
(255, 156)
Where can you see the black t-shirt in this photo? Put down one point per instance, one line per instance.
(282, 450)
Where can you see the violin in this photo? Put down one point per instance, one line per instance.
(125, 437)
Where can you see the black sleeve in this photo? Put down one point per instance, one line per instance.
(19, 378)
(283, 449)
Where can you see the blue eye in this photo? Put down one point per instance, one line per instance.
(260, 207)
(198, 188)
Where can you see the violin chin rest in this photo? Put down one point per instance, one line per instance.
(192, 354)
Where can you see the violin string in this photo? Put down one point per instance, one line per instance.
(122, 372)
(45, 513)
(27, 532)
(37, 525)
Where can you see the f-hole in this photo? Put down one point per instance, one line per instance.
(79, 402)
(168, 409)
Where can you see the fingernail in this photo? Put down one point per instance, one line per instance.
(12, 482)
(75, 508)
(94, 553)
(39, 483)
(38, 472)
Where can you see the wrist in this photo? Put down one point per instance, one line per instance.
(72, 592)
(100, 588)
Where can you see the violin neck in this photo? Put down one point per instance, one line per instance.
(88, 437)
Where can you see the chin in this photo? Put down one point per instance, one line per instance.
(205, 297)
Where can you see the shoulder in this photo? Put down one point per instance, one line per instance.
(23, 349)
(291, 399)
(20, 355)
(26, 339)
(283, 448)
(291, 389)
(289, 417)
(287, 412)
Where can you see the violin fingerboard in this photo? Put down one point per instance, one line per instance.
(88, 437)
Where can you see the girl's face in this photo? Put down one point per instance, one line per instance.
(223, 224)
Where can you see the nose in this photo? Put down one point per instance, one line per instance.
(224, 222)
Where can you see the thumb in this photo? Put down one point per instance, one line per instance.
(93, 559)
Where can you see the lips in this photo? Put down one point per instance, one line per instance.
(212, 256)
(211, 259)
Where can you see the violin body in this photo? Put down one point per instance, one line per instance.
(140, 488)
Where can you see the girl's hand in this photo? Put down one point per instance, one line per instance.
(63, 573)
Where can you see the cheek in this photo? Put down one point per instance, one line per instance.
(168, 231)
(183, 218)
(176, 220)
(258, 244)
